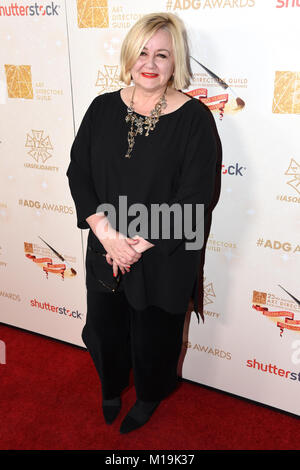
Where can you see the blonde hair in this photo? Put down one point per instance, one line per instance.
(142, 31)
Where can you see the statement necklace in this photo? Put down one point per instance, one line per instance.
(147, 122)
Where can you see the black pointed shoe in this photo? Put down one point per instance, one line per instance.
(138, 415)
(111, 409)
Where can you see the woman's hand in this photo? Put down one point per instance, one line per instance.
(119, 252)
(115, 243)
(143, 245)
(118, 248)
(140, 247)
(115, 266)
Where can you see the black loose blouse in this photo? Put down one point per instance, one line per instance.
(175, 163)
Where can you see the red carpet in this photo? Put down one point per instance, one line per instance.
(50, 399)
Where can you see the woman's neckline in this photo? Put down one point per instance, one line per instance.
(162, 115)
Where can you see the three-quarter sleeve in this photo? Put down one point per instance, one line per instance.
(79, 171)
(196, 184)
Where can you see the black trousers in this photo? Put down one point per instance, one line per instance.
(119, 338)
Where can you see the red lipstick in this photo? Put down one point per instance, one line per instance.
(150, 75)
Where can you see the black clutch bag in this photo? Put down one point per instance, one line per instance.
(101, 272)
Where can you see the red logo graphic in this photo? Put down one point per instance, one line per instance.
(288, 322)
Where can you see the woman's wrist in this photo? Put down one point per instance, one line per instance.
(101, 227)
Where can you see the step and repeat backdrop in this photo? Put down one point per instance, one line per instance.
(55, 57)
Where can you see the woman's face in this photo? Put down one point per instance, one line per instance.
(155, 65)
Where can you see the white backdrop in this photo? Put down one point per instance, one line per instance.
(55, 58)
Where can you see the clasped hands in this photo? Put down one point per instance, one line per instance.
(121, 251)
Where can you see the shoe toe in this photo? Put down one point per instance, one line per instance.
(111, 409)
(129, 424)
(137, 416)
(110, 413)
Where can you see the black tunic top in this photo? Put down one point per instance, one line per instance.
(175, 163)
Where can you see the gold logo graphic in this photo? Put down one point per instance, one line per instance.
(92, 14)
(19, 82)
(108, 80)
(259, 297)
(28, 247)
(286, 93)
(294, 170)
(39, 146)
(208, 291)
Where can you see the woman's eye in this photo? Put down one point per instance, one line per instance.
(161, 55)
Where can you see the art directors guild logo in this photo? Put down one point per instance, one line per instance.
(96, 14)
(19, 81)
(284, 319)
(19, 84)
(40, 147)
(286, 98)
(91, 14)
(293, 174)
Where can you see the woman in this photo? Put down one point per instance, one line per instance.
(150, 144)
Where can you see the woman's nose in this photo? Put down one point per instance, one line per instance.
(150, 61)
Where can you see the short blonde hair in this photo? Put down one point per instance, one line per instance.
(142, 31)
